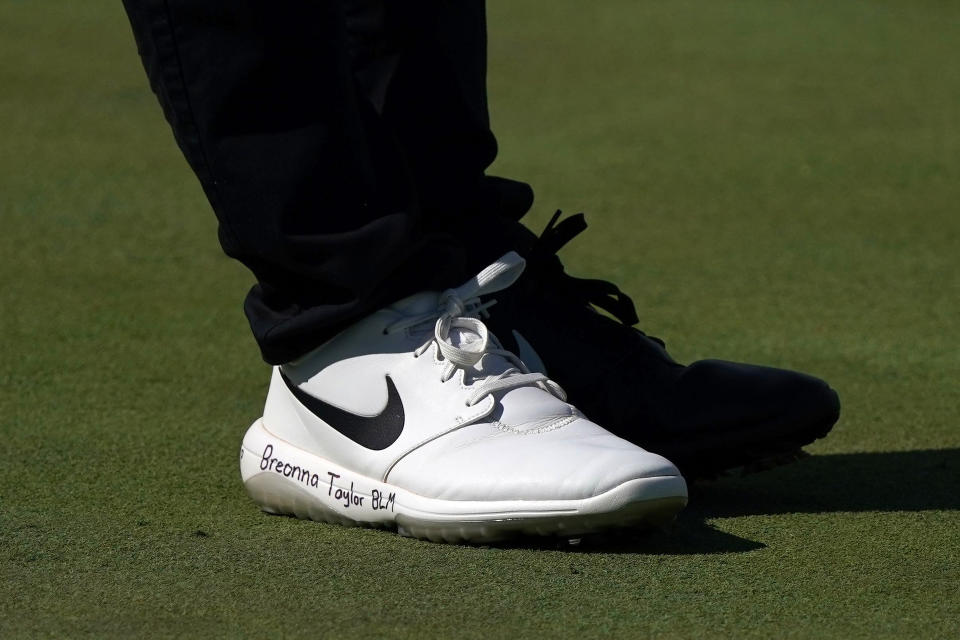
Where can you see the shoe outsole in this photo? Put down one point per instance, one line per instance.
(309, 487)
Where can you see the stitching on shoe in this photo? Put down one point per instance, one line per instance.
(552, 425)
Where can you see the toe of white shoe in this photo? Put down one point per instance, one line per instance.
(482, 462)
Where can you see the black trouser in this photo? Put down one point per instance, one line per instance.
(342, 145)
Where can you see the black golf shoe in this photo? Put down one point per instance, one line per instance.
(706, 417)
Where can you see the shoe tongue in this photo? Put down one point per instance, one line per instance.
(417, 304)
(463, 338)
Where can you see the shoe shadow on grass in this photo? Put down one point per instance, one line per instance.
(919, 480)
(689, 535)
(899, 481)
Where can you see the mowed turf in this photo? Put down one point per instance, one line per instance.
(776, 182)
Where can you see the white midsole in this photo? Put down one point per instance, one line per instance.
(292, 473)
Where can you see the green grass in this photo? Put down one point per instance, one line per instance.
(771, 181)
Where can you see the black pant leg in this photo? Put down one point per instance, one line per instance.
(278, 108)
(437, 105)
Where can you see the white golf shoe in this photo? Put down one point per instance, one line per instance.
(415, 419)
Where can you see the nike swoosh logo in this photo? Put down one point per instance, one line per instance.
(527, 353)
(373, 432)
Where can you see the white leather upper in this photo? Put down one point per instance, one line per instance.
(522, 443)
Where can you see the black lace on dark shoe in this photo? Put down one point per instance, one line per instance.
(707, 417)
(544, 263)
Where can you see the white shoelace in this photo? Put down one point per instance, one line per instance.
(458, 309)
